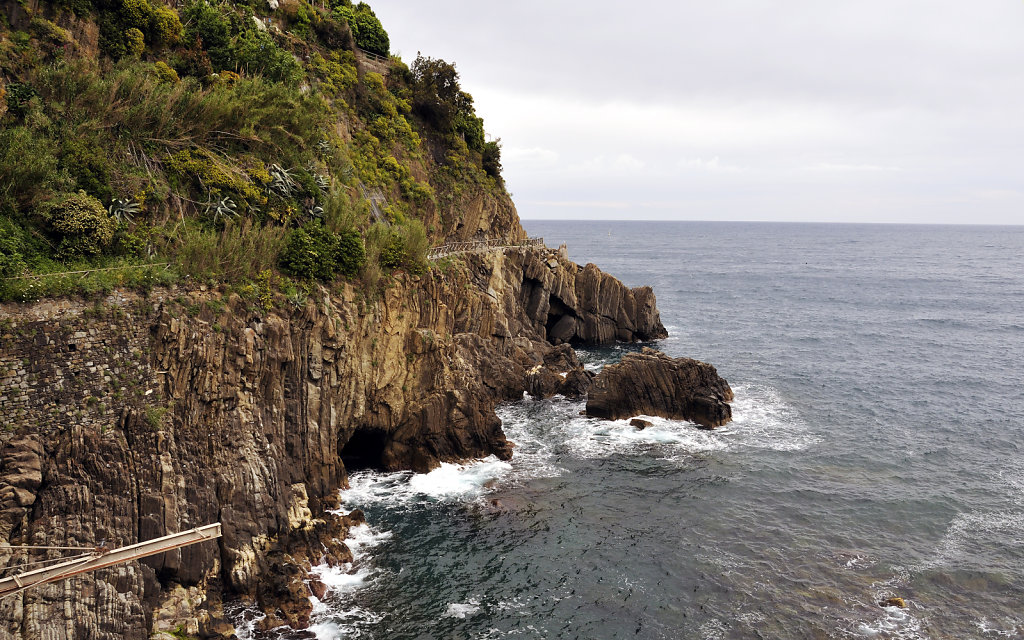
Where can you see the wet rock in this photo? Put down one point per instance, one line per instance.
(640, 424)
(652, 383)
(893, 602)
(317, 588)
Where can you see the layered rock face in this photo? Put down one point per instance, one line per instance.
(651, 383)
(137, 417)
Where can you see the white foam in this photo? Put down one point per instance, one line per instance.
(462, 610)
(336, 615)
(665, 438)
(1007, 629)
(761, 419)
(449, 482)
(460, 481)
(894, 623)
(968, 531)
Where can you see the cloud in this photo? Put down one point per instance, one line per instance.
(897, 110)
(714, 165)
(840, 167)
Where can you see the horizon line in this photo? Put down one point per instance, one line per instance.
(837, 222)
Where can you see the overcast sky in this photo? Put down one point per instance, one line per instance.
(824, 110)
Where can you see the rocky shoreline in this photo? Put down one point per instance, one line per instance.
(139, 416)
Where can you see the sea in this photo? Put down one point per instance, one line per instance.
(876, 452)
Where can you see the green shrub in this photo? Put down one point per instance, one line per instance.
(80, 223)
(88, 163)
(209, 25)
(12, 259)
(28, 164)
(367, 30)
(135, 14)
(164, 26)
(134, 43)
(334, 34)
(256, 52)
(18, 97)
(350, 254)
(165, 73)
(491, 162)
(237, 253)
(313, 252)
(48, 32)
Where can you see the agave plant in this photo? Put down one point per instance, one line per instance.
(281, 181)
(223, 208)
(297, 299)
(316, 211)
(322, 182)
(122, 210)
(323, 147)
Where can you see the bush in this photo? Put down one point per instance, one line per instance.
(334, 34)
(88, 163)
(403, 245)
(18, 97)
(367, 30)
(12, 259)
(165, 73)
(491, 162)
(313, 252)
(209, 26)
(135, 14)
(164, 26)
(134, 43)
(80, 223)
(27, 165)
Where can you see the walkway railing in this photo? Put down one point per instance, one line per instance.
(494, 244)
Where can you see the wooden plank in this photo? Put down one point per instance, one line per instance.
(102, 559)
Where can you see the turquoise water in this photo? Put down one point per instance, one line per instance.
(876, 451)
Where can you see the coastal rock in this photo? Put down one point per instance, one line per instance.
(147, 415)
(651, 383)
(640, 424)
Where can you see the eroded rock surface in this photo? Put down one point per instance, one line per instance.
(651, 383)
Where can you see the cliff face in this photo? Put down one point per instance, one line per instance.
(140, 416)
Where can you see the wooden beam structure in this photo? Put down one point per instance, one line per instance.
(102, 558)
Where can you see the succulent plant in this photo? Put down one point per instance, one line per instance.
(223, 208)
(316, 211)
(322, 182)
(281, 181)
(323, 147)
(122, 209)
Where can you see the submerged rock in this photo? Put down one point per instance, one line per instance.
(651, 383)
(893, 602)
(640, 424)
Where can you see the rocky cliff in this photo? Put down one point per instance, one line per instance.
(135, 416)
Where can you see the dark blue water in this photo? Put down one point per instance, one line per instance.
(876, 452)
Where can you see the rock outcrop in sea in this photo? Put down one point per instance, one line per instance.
(652, 383)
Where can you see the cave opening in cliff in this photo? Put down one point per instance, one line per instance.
(561, 322)
(364, 449)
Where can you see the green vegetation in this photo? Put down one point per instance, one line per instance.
(224, 142)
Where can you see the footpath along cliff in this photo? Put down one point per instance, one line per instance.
(135, 416)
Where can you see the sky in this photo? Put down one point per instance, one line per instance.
(788, 110)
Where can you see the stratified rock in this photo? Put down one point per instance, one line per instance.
(651, 383)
